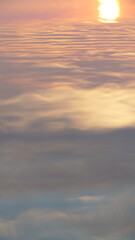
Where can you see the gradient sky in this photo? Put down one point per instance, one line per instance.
(67, 123)
(67, 131)
(57, 9)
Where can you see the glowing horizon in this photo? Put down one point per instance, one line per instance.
(109, 10)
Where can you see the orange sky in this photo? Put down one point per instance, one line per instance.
(57, 9)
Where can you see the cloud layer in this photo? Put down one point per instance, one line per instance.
(111, 220)
(67, 132)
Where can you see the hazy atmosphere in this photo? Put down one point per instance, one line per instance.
(57, 9)
(67, 120)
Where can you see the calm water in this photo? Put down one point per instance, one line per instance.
(67, 131)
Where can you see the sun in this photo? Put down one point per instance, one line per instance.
(109, 10)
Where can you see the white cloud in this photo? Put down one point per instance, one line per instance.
(88, 198)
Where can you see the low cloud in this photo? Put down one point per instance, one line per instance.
(87, 198)
(113, 219)
(67, 160)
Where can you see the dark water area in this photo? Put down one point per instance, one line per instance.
(67, 131)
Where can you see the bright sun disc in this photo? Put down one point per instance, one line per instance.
(109, 10)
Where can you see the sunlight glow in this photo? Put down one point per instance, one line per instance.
(109, 10)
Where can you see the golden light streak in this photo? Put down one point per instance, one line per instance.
(109, 10)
